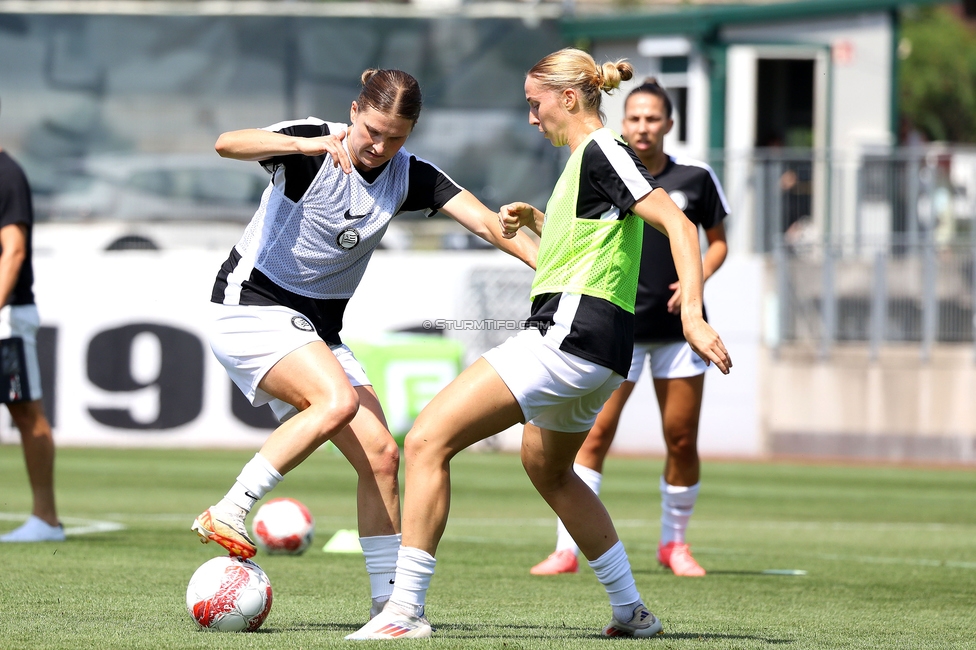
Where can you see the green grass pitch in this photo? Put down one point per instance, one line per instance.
(890, 556)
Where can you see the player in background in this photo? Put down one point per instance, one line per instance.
(556, 375)
(19, 319)
(678, 373)
(279, 298)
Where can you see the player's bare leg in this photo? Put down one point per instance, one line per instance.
(548, 459)
(476, 405)
(370, 448)
(680, 400)
(595, 448)
(312, 380)
(589, 464)
(38, 445)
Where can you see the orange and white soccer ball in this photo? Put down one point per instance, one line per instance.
(229, 594)
(283, 526)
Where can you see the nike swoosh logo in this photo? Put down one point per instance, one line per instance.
(350, 216)
(251, 495)
(391, 582)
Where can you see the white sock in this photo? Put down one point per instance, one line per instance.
(256, 479)
(414, 569)
(677, 504)
(612, 569)
(592, 478)
(381, 559)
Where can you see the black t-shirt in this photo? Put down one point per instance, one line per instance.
(695, 189)
(16, 208)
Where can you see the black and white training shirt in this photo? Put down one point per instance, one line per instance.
(16, 207)
(695, 189)
(313, 234)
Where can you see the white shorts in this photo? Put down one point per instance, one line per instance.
(668, 361)
(249, 340)
(23, 321)
(556, 390)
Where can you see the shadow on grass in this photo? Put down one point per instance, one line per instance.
(726, 637)
(454, 630)
(314, 627)
(524, 632)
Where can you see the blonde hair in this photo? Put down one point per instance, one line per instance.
(573, 68)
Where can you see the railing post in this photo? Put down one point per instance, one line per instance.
(773, 186)
(760, 222)
(911, 200)
(930, 300)
(779, 321)
(879, 303)
(828, 302)
(972, 264)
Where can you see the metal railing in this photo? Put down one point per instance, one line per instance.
(901, 292)
(866, 197)
(872, 246)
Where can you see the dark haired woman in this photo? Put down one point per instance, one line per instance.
(279, 298)
(556, 375)
(678, 373)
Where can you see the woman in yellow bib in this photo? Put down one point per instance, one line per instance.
(555, 375)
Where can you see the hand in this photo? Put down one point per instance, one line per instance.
(513, 216)
(674, 303)
(706, 343)
(328, 144)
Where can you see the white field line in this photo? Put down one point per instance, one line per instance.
(701, 523)
(861, 559)
(73, 525)
(349, 521)
(79, 526)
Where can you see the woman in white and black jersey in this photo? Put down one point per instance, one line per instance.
(556, 375)
(677, 372)
(279, 298)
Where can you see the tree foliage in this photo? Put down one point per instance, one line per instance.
(937, 76)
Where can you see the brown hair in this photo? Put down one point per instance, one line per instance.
(650, 86)
(392, 92)
(573, 68)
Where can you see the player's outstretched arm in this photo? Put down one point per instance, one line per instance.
(658, 210)
(258, 144)
(467, 210)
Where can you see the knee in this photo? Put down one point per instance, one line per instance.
(543, 475)
(29, 419)
(413, 446)
(420, 448)
(683, 444)
(344, 404)
(385, 459)
(334, 410)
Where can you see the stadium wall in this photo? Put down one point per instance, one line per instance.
(128, 363)
(898, 407)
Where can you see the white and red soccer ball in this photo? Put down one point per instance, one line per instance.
(283, 526)
(229, 594)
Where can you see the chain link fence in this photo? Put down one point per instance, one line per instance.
(496, 305)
